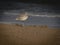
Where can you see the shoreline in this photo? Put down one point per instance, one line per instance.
(50, 27)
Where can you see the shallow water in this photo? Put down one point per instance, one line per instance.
(49, 21)
(31, 8)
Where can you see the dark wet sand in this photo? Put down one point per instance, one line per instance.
(28, 35)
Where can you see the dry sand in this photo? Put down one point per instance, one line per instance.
(28, 35)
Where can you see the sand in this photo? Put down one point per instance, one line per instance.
(13, 34)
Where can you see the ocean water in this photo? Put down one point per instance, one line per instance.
(49, 21)
(32, 9)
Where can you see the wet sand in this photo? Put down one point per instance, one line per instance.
(13, 34)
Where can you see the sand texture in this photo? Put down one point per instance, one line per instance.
(28, 35)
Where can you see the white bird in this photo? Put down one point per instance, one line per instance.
(22, 17)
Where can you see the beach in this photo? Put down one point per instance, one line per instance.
(14, 34)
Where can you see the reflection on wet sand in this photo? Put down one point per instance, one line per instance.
(28, 35)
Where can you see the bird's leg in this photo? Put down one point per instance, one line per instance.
(23, 23)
